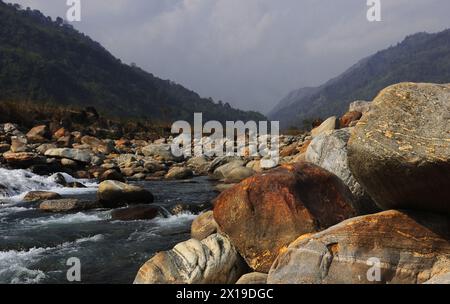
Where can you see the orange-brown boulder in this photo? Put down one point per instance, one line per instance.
(265, 213)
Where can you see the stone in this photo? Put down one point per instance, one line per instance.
(214, 260)
(329, 124)
(22, 159)
(69, 163)
(348, 118)
(266, 212)
(112, 194)
(329, 151)
(83, 156)
(254, 278)
(38, 134)
(199, 165)
(19, 144)
(360, 106)
(190, 208)
(238, 174)
(153, 166)
(220, 161)
(160, 151)
(134, 213)
(203, 226)
(44, 147)
(111, 174)
(41, 195)
(97, 145)
(400, 150)
(409, 248)
(179, 173)
(67, 205)
(224, 171)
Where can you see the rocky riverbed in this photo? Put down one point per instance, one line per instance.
(369, 186)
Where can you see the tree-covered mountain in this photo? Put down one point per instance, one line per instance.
(421, 57)
(47, 60)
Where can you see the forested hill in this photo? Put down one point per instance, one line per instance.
(46, 60)
(419, 58)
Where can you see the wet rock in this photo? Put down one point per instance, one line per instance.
(22, 159)
(83, 156)
(266, 212)
(211, 261)
(400, 150)
(67, 205)
(4, 147)
(200, 165)
(203, 226)
(112, 194)
(41, 195)
(409, 248)
(134, 213)
(179, 173)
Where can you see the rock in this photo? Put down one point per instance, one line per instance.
(440, 279)
(179, 173)
(238, 174)
(41, 195)
(97, 145)
(265, 213)
(328, 125)
(111, 174)
(409, 248)
(191, 208)
(19, 144)
(135, 213)
(224, 171)
(112, 194)
(220, 161)
(75, 154)
(400, 150)
(200, 165)
(254, 278)
(211, 261)
(348, 118)
(203, 226)
(38, 134)
(67, 205)
(255, 165)
(69, 163)
(161, 152)
(22, 159)
(360, 106)
(44, 147)
(66, 180)
(329, 151)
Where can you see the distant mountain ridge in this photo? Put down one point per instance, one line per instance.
(49, 61)
(421, 57)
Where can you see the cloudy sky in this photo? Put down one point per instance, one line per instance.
(250, 53)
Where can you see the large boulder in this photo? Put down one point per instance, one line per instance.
(400, 150)
(199, 164)
(97, 145)
(203, 226)
(265, 213)
(160, 152)
(134, 213)
(113, 194)
(329, 151)
(400, 247)
(67, 205)
(83, 156)
(211, 261)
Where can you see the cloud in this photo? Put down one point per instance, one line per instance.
(252, 52)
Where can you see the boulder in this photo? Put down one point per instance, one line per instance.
(238, 174)
(67, 205)
(112, 194)
(83, 156)
(329, 151)
(348, 118)
(405, 248)
(224, 171)
(254, 278)
(134, 213)
(211, 261)
(328, 125)
(400, 150)
(38, 134)
(41, 195)
(266, 212)
(19, 144)
(111, 174)
(97, 145)
(220, 161)
(203, 226)
(179, 173)
(160, 151)
(440, 279)
(22, 159)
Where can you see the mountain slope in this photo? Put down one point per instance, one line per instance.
(49, 61)
(419, 58)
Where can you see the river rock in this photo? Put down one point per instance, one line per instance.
(329, 151)
(4, 147)
(83, 156)
(409, 248)
(38, 134)
(224, 171)
(203, 226)
(134, 213)
(254, 278)
(97, 145)
(238, 174)
(41, 195)
(440, 279)
(220, 161)
(190, 208)
(22, 159)
(266, 212)
(19, 144)
(111, 174)
(179, 173)
(199, 165)
(214, 260)
(112, 194)
(161, 152)
(400, 150)
(328, 125)
(67, 205)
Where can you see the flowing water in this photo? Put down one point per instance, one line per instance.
(35, 246)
